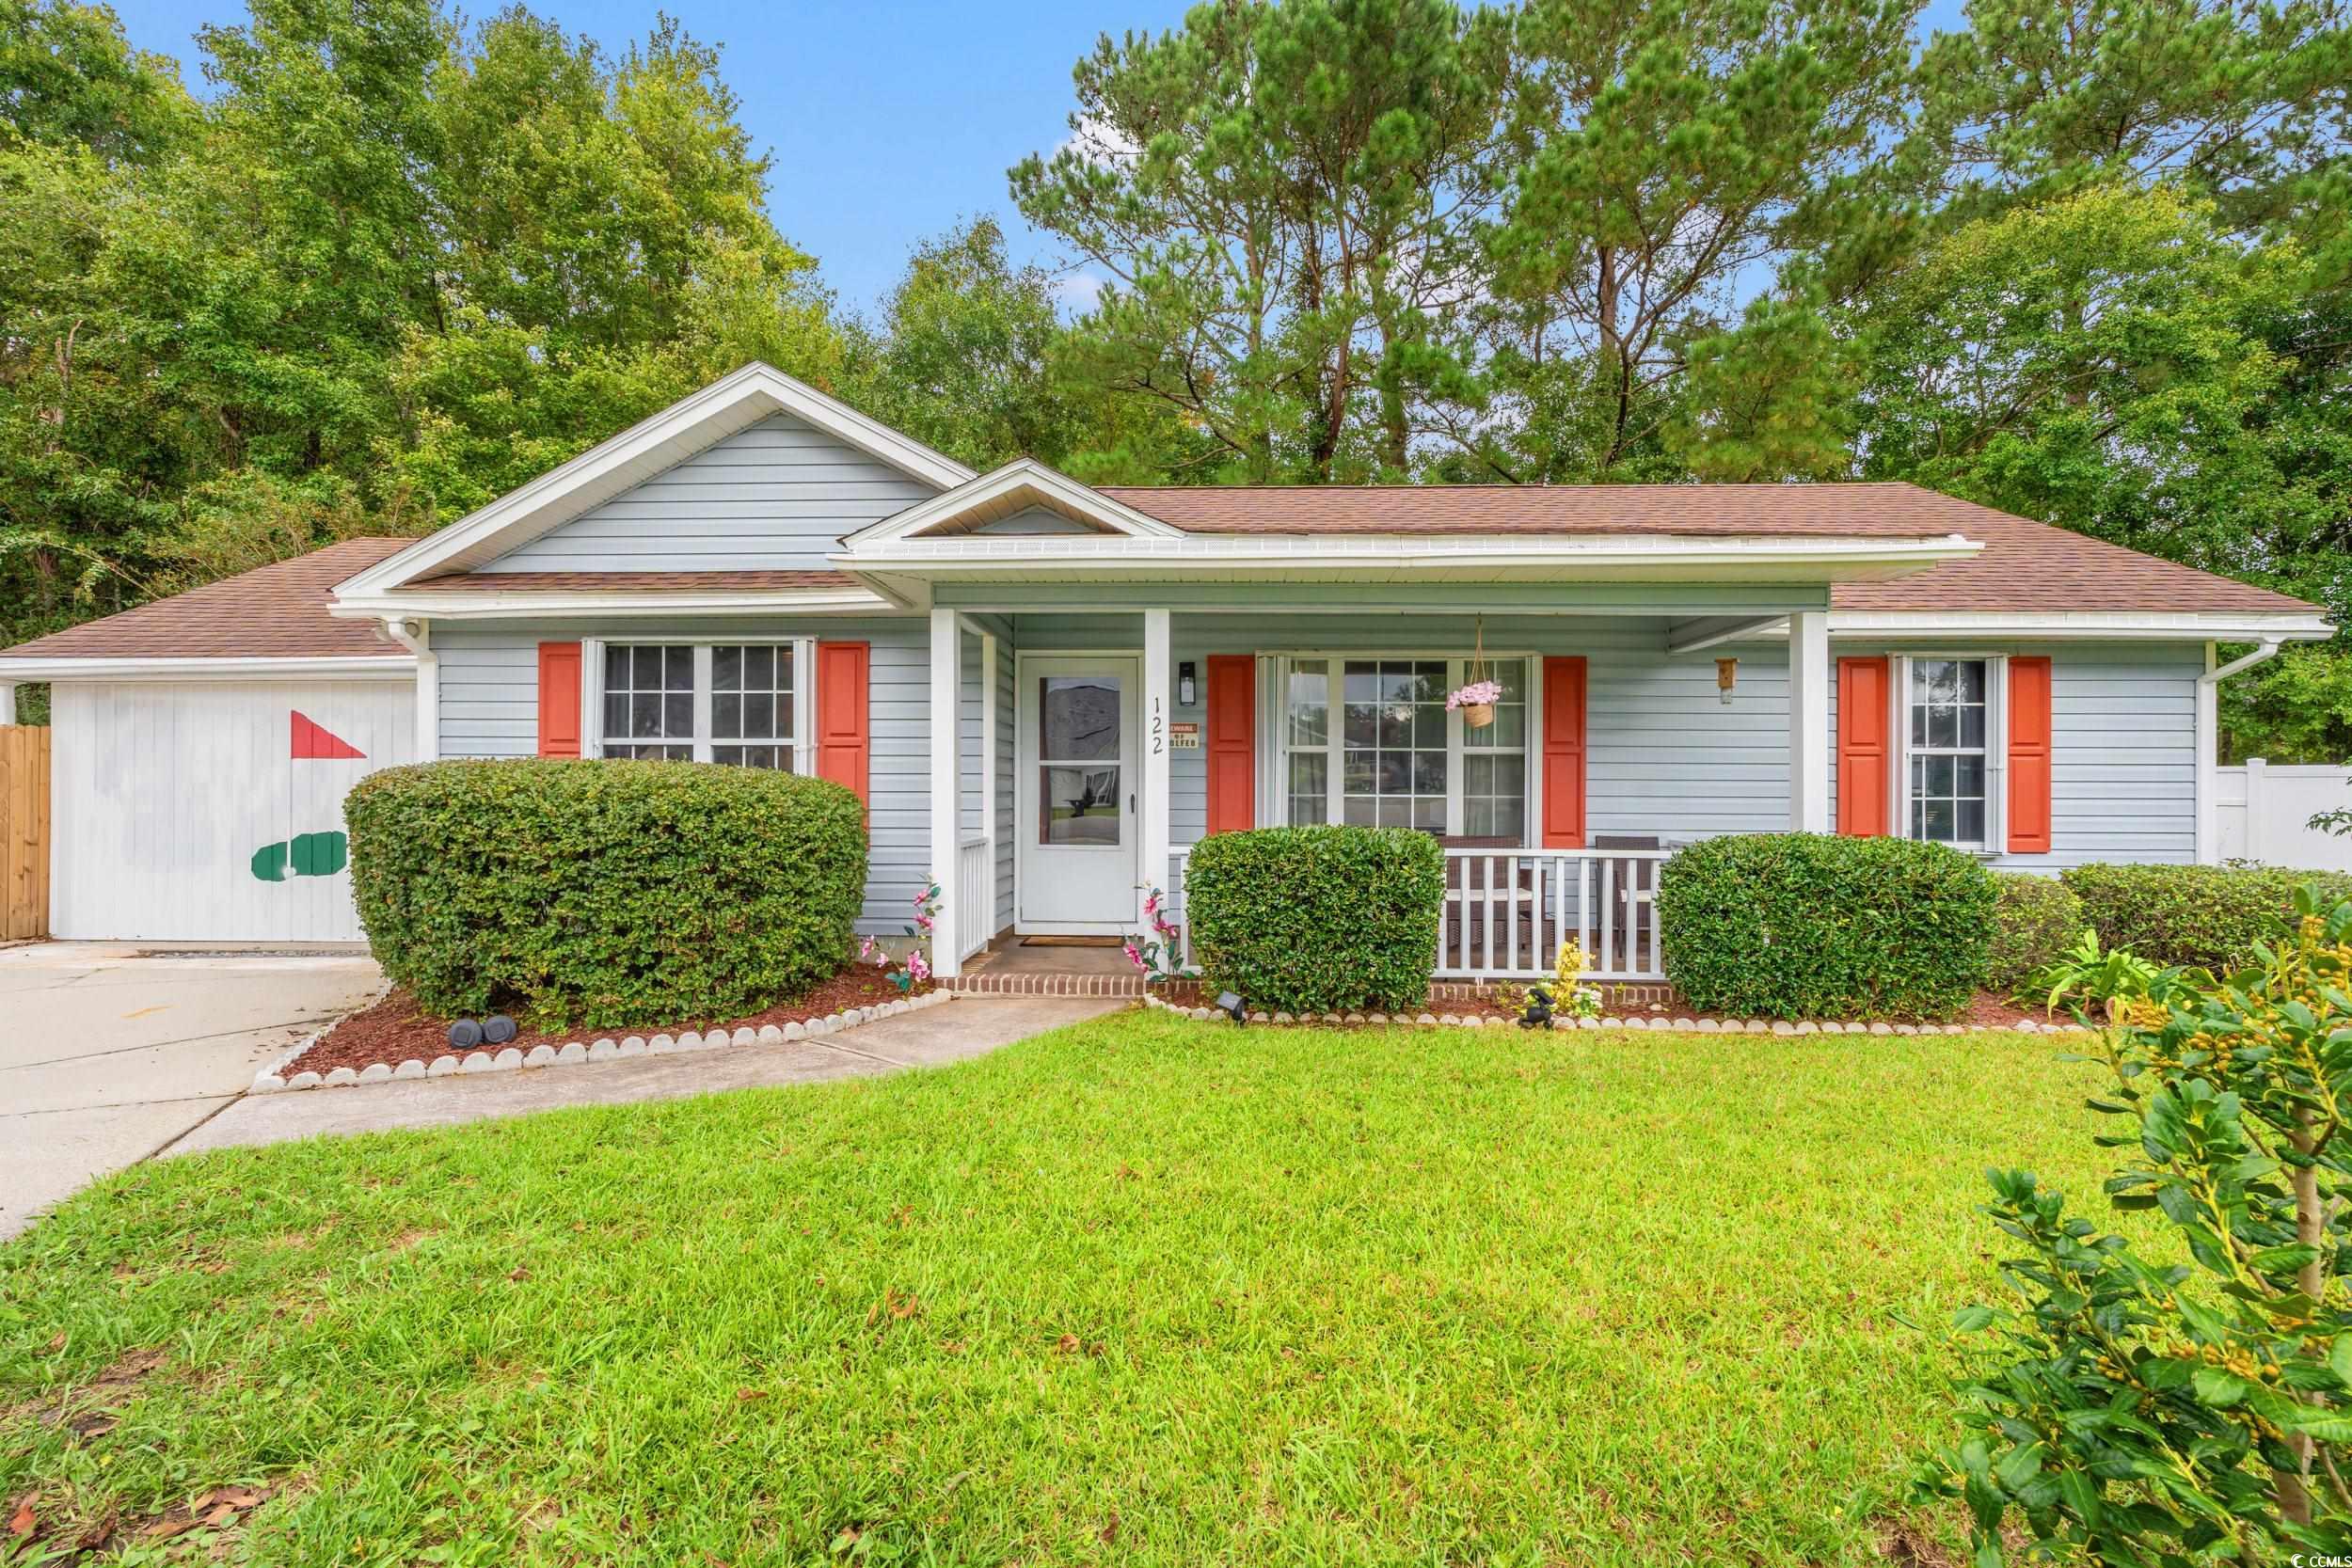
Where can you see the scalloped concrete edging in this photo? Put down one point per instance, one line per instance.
(273, 1079)
(1685, 1025)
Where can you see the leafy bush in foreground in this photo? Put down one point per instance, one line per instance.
(1316, 920)
(2147, 1410)
(1814, 926)
(605, 895)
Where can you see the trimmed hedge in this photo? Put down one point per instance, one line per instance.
(2035, 922)
(1317, 920)
(2198, 916)
(605, 895)
(1814, 926)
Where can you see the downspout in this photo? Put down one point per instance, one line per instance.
(417, 637)
(2209, 742)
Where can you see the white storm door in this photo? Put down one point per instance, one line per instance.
(1077, 829)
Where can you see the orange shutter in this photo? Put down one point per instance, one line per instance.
(559, 699)
(1232, 742)
(1564, 754)
(1865, 708)
(2028, 756)
(844, 747)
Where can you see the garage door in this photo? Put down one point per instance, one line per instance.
(213, 812)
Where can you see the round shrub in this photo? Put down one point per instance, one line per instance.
(1317, 920)
(605, 895)
(1813, 925)
(2035, 921)
(2194, 916)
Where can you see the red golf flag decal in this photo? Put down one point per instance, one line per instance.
(313, 742)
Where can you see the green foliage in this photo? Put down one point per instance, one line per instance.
(605, 895)
(2035, 920)
(2145, 1409)
(1814, 926)
(2208, 916)
(1317, 920)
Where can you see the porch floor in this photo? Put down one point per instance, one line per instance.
(1008, 964)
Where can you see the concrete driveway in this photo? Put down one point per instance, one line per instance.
(106, 1056)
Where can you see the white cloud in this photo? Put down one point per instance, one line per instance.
(1077, 292)
(1096, 141)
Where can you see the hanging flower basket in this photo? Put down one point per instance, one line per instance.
(1479, 692)
(1477, 702)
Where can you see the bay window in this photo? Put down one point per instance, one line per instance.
(743, 703)
(1370, 742)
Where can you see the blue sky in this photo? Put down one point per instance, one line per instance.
(887, 122)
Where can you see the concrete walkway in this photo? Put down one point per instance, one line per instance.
(969, 1026)
(107, 1055)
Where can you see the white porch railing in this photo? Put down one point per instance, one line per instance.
(1507, 911)
(975, 895)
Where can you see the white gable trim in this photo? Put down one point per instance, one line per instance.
(690, 425)
(1025, 475)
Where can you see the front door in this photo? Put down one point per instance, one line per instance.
(1077, 824)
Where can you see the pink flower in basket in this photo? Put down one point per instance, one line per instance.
(1476, 694)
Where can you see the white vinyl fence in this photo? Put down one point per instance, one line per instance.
(2262, 811)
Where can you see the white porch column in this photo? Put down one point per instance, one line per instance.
(1808, 721)
(1159, 686)
(988, 772)
(947, 705)
(7, 701)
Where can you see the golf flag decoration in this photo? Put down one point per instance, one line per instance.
(318, 854)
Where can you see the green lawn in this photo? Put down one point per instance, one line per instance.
(1144, 1291)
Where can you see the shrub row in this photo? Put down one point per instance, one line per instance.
(1815, 926)
(605, 895)
(1317, 920)
(2202, 916)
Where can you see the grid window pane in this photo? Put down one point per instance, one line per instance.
(649, 702)
(1311, 705)
(1309, 788)
(1949, 723)
(1394, 773)
(751, 704)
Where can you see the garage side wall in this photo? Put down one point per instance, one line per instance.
(167, 793)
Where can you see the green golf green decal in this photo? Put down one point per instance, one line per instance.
(309, 855)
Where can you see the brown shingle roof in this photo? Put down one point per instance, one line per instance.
(2025, 566)
(275, 611)
(567, 583)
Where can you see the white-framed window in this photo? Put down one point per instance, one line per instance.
(1951, 725)
(1369, 741)
(748, 703)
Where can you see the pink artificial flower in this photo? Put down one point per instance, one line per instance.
(923, 921)
(1152, 902)
(916, 967)
(1134, 954)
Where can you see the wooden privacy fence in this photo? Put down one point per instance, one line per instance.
(23, 831)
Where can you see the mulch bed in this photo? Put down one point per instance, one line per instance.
(396, 1031)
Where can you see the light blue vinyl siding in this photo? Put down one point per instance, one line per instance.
(490, 708)
(2123, 749)
(776, 497)
(1664, 756)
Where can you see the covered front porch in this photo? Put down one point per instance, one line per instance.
(1080, 748)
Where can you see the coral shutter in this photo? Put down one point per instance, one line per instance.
(1232, 742)
(1865, 708)
(2028, 756)
(1564, 754)
(845, 745)
(559, 699)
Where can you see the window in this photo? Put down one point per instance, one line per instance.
(751, 705)
(649, 702)
(1369, 741)
(739, 703)
(1081, 788)
(1950, 714)
(1494, 763)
